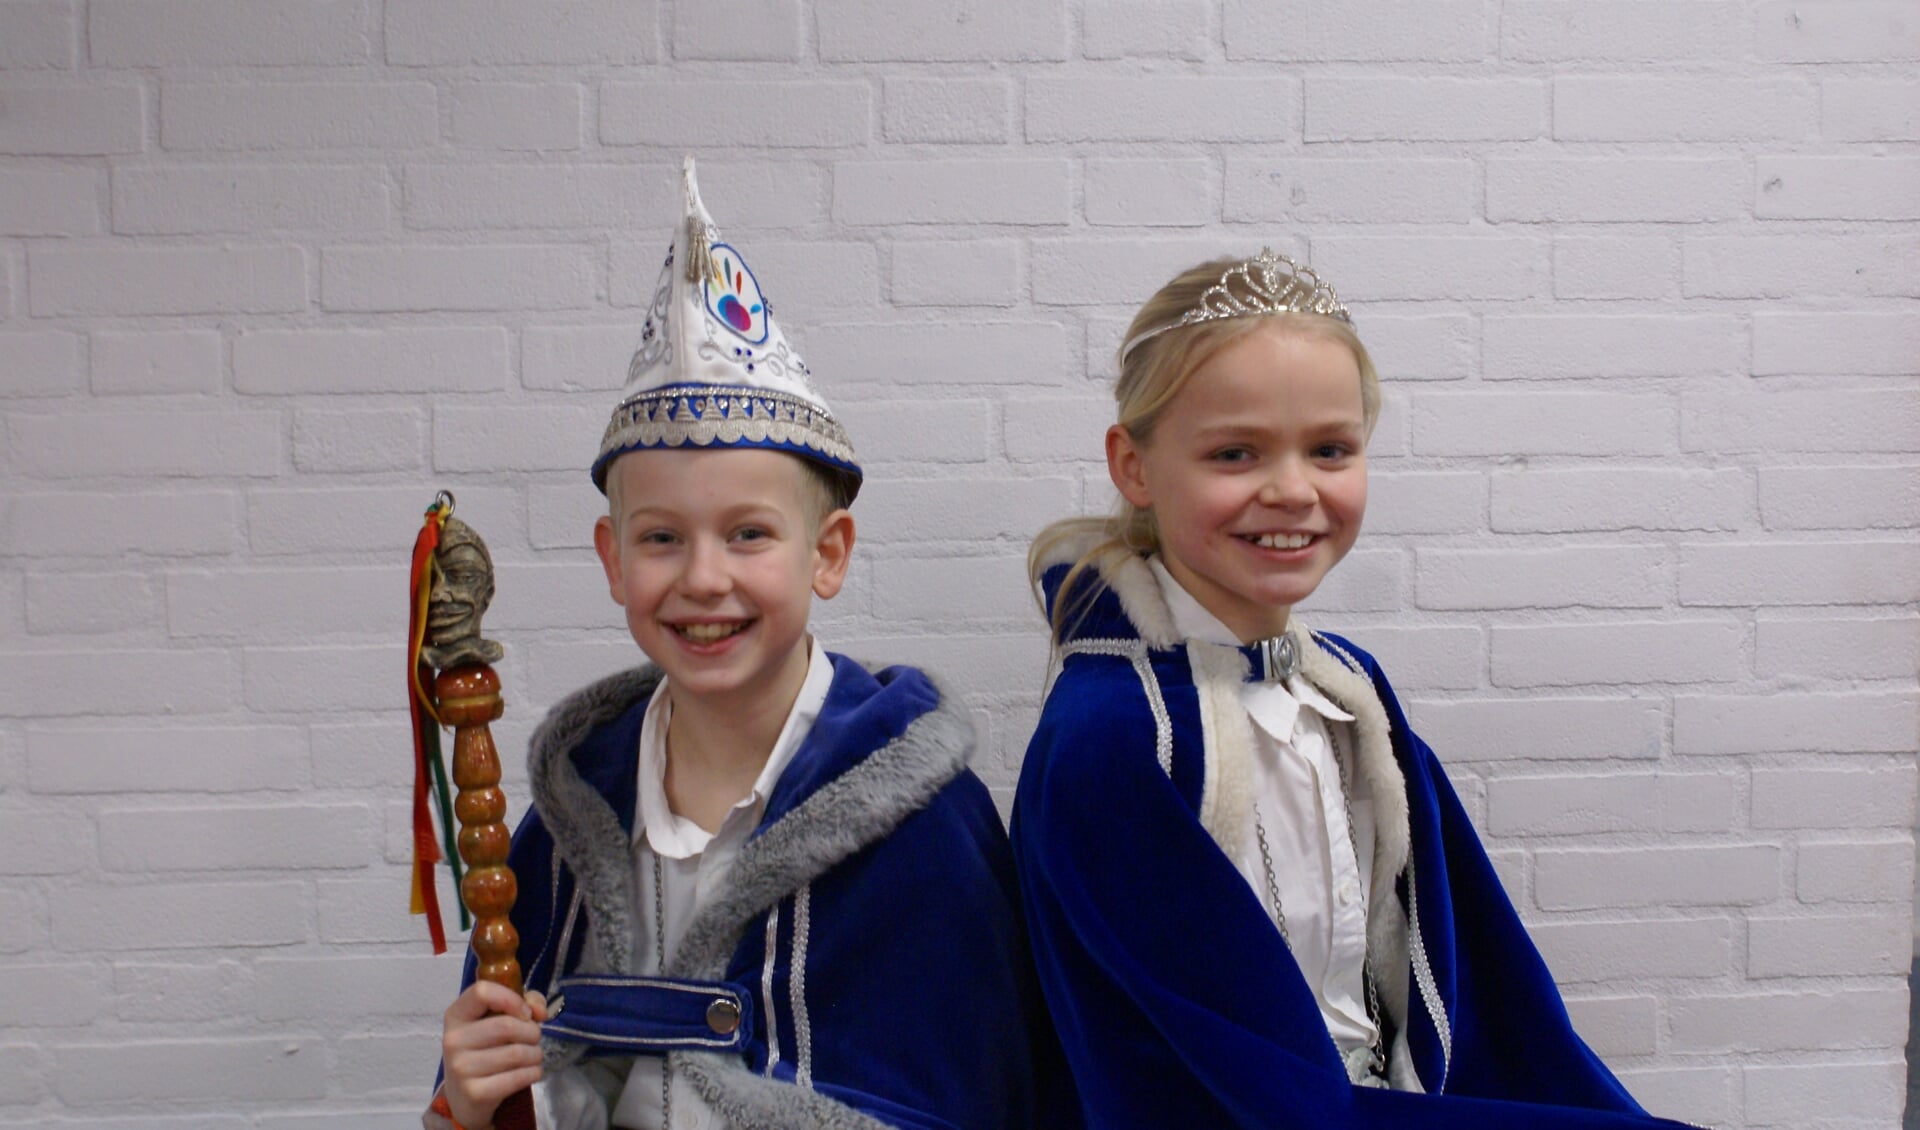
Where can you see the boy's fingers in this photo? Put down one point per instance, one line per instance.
(488, 1093)
(519, 1079)
(483, 997)
(537, 1002)
(491, 1032)
(474, 1101)
(473, 1067)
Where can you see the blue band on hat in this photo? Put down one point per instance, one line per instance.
(714, 416)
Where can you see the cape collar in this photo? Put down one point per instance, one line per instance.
(885, 742)
(1118, 598)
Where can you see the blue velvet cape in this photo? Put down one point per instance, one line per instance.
(1176, 1000)
(883, 868)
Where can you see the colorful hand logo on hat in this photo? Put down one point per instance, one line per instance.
(733, 295)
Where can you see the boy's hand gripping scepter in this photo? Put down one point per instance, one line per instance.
(452, 583)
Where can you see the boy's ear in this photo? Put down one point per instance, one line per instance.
(606, 543)
(832, 550)
(1123, 467)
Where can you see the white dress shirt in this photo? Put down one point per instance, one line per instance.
(1324, 884)
(693, 863)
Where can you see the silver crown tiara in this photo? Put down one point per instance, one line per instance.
(1265, 284)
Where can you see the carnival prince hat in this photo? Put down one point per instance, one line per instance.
(713, 369)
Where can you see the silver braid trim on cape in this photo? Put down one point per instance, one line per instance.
(706, 416)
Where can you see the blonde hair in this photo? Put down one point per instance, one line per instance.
(823, 490)
(1150, 378)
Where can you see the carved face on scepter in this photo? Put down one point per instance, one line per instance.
(462, 589)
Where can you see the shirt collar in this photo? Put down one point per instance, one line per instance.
(1275, 707)
(676, 837)
(1192, 620)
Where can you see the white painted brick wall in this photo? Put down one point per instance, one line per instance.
(1641, 278)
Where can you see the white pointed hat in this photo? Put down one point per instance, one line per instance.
(713, 368)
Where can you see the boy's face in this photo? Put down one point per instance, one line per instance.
(715, 555)
(1256, 475)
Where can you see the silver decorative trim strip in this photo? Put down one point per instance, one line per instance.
(1346, 659)
(566, 932)
(1162, 722)
(766, 987)
(797, 984)
(1423, 973)
(667, 984)
(705, 415)
(602, 1039)
(1136, 652)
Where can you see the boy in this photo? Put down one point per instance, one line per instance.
(759, 886)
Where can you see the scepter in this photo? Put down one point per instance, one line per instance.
(452, 584)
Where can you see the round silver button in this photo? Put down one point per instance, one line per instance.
(723, 1016)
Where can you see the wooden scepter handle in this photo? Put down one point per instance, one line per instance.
(468, 698)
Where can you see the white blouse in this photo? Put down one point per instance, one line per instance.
(1324, 882)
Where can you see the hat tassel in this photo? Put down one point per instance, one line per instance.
(699, 250)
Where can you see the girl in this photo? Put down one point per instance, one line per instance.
(1255, 899)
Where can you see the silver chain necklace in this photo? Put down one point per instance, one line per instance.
(1377, 1062)
(660, 952)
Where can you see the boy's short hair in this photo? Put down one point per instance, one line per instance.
(823, 489)
(827, 489)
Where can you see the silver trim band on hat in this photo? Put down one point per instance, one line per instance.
(709, 416)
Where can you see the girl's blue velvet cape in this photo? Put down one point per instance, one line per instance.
(921, 1006)
(1175, 998)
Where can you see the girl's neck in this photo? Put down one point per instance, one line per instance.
(1247, 625)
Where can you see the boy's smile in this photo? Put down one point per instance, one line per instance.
(716, 559)
(707, 634)
(1256, 475)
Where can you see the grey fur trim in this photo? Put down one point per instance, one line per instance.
(1375, 765)
(1387, 934)
(745, 1101)
(1226, 735)
(1401, 1074)
(1373, 759)
(858, 808)
(1132, 581)
(585, 830)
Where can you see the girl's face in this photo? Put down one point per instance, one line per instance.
(1256, 475)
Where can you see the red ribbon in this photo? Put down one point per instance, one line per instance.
(426, 851)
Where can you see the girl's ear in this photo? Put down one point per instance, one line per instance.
(1124, 468)
(832, 549)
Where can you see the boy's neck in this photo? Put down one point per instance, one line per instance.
(716, 749)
